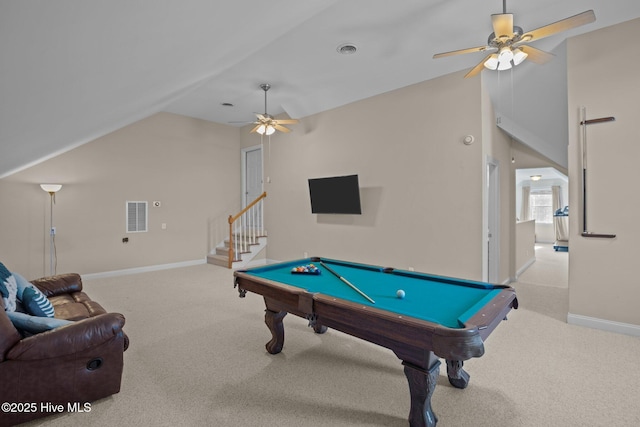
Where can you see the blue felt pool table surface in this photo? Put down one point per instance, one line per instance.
(446, 301)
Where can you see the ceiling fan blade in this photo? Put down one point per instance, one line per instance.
(285, 121)
(255, 129)
(536, 55)
(261, 117)
(476, 70)
(461, 51)
(502, 25)
(562, 25)
(281, 128)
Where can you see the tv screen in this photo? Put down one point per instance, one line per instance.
(335, 195)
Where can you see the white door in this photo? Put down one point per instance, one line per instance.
(252, 161)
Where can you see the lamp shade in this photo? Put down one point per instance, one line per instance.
(518, 56)
(270, 130)
(504, 58)
(492, 62)
(51, 188)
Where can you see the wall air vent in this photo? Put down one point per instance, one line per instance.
(136, 217)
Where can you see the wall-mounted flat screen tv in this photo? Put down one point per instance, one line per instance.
(335, 195)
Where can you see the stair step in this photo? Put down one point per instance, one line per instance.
(245, 241)
(220, 260)
(220, 256)
(224, 251)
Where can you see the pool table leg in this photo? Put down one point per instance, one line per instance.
(421, 386)
(273, 319)
(458, 377)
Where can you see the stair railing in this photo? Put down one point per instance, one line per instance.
(245, 227)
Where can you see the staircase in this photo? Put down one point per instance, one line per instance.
(247, 237)
(243, 257)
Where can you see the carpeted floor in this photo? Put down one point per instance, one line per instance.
(550, 269)
(197, 358)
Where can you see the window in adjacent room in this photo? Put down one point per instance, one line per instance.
(541, 206)
(136, 217)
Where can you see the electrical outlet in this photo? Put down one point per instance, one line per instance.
(125, 240)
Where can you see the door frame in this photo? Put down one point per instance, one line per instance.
(491, 221)
(243, 166)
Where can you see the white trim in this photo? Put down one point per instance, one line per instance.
(508, 281)
(146, 269)
(491, 205)
(604, 325)
(525, 266)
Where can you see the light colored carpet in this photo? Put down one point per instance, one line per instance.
(197, 358)
(551, 268)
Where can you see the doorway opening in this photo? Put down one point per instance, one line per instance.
(542, 227)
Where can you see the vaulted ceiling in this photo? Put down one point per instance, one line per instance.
(74, 70)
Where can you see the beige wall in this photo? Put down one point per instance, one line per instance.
(525, 245)
(421, 187)
(190, 165)
(603, 76)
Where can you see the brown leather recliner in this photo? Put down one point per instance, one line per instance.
(70, 365)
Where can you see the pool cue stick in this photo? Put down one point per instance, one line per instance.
(347, 282)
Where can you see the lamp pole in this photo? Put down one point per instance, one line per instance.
(51, 189)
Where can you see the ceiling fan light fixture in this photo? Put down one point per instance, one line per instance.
(266, 129)
(518, 56)
(505, 56)
(502, 66)
(492, 62)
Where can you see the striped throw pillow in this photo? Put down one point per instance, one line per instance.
(36, 303)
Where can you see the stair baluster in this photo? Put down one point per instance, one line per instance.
(240, 237)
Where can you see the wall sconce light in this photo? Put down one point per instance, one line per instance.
(52, 189)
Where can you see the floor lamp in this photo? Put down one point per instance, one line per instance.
(52, 189)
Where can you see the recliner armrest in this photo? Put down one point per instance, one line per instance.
(60, 284)
(70, 339)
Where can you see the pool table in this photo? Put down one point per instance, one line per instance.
(438, 317)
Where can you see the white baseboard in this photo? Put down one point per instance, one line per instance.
(144, 269)
(604, 325)
(525, 266)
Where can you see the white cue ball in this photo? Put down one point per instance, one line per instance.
(400, 293)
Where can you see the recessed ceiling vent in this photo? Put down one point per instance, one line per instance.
(347, 49)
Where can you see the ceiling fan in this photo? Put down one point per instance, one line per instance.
(266, 124)
(508, 41)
